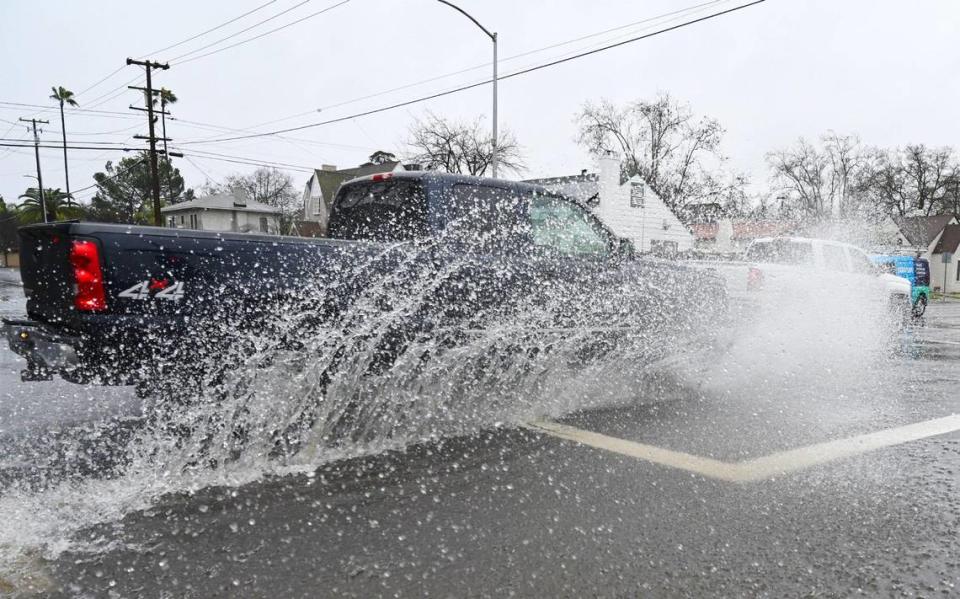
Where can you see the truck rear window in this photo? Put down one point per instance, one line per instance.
(781, 251)
(379, 211)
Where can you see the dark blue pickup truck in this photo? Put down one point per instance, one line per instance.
(115, 304)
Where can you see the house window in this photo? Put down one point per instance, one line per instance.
(637, 192)
(263, 224)
(181, 219)
(172, 221)
(661, 247)
(194, 221)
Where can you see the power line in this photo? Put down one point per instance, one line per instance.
(69, 147)
(89, 87)
(235, 34)
(121, 67)
(515, 56)
(212, 29)
(481, 83)
(240, 43)
(103, 143)
(354, 100)
(114, 175)
(202, 172)
(215, 155)
(50, 108)
(115, 92)
(212, 127)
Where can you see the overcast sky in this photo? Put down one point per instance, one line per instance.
(888, 70)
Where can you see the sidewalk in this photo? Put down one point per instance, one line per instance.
(10, 276)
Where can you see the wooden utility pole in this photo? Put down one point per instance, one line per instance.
(36, 151)
(154, 173)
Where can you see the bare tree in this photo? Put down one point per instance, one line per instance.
(271, 187)
(662, 141)
(460, 147)
(914, 180)
(825, 180)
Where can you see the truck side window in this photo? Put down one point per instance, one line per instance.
(781, 251)
(566, 228)
(380, 211)
(483, 214)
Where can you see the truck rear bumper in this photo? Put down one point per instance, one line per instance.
(47, 352)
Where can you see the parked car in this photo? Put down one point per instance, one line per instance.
(834, 266)
(915, 270)
(109, 303)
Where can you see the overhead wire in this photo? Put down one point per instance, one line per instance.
(235, 34)
(354, 100)
(170, 47)
(248, 40)
(211, 30)
(511, 75)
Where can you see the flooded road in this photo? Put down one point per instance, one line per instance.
(763, 473)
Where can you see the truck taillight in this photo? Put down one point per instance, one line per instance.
(89, 292)
(382, 177)
(754, 278)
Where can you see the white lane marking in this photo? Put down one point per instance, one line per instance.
(776, 464)
(657, 455)
(940, 341)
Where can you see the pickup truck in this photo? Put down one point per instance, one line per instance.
(117, 304)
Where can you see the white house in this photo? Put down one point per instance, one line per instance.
(945, 276)
(921, 234)
(322, 186)
(630, 208)
(223, 212)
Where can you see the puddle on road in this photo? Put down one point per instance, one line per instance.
(273, 409)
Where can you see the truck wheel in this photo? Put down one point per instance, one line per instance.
(920, 307)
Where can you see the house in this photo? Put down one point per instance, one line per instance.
(630, 208)
(223, 212)
(728, 235)
(322, 186)
(945, 275)
(920, 234)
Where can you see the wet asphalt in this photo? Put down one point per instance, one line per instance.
(515, 512)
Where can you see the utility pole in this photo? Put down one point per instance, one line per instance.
(154, 173)
(36, 151)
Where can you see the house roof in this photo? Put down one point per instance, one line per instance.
(744, 230)
(584, 187)
(223, 201)
(367, 168)
(921, 230)
(949, 240)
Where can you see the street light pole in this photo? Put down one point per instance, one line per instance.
(494, 159)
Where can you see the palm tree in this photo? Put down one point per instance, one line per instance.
(64, 96)
(57, 202)
(166, 97)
